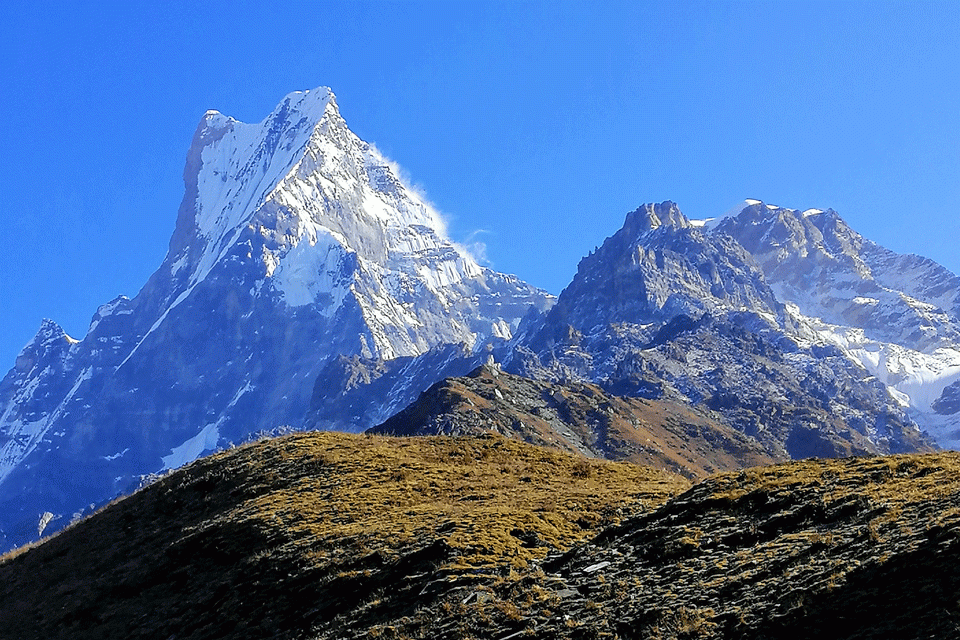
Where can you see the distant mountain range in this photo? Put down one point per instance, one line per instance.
(306, 285)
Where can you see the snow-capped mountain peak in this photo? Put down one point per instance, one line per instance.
(897, 316)
(295, 243)
(325, 216)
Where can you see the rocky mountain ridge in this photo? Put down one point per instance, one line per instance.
(668, 309)
(296, 242)
(895, 315)
(580, 418)
(306, 285)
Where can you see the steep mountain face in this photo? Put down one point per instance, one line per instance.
(355, 393)
(296, 242)
(659, 266)
(898, 316)
(671, 309)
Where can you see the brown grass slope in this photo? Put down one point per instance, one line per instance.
(276, 539)
(580, 418)
(863, 549)
(853, 548)
(325, 536)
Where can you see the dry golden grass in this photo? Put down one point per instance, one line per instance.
(894, 480)
(335, 536)
(477, 492)
(271, 538)
(839, 548)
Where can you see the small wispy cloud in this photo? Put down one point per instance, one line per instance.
(471, 244)
(476, 247)
(404, 176)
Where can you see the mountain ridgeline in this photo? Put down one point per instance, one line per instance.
(306, 285)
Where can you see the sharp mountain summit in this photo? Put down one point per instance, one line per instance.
(307, 286)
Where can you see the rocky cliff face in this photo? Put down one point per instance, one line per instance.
(656, 267)
(671, 309)
(296, 242)
(895, 315)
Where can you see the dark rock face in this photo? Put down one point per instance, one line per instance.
(949, 401)
(783, 398)
(667, 310)
(655, 268)
(355, 393)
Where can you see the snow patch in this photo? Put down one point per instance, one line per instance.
(204, 441)
(193, 448)
(709, 224)
(240, 169)
(311, 269)
(915, 379)
(501, 329)
(178, 264)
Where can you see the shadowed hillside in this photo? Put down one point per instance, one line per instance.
(336, 536)
(275, 538)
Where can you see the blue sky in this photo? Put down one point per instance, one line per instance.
(535, 127)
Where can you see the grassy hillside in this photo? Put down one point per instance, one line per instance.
(326, 536)
(581, 418)
(278, 537)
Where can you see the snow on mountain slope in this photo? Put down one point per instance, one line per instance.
(670, 309)
(296, 242)
(915, 379)
(328, 219)
(831, 272)
(896, 315)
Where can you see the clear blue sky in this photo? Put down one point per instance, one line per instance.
(533, 126)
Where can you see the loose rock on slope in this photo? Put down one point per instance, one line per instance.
(581, 418)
